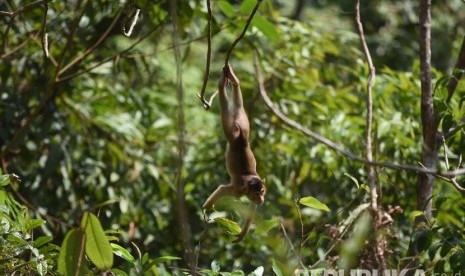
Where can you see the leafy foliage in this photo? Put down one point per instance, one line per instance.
(98, 136)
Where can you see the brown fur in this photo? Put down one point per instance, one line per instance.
(240, 161)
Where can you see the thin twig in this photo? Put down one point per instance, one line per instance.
(12, 16)
(93, 47)
(201, 96)
(369, 107)
(119, 54)
(231, 48)
(369, 152)
(332, 145)
(44, 32)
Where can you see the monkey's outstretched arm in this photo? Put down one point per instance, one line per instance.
(222, 190)
(246, 226)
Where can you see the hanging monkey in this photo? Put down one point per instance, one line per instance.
(240, 161)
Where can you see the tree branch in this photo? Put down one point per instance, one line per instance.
(231, 48)
(428, 117)
(93, 47)
(338, 149)
(206, 104)
(119, 54)
(186, 236)
(13, 15)
(378, 239)
(369, 102)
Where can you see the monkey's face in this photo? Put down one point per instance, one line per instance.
(257, 190)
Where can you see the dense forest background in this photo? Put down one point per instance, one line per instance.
(108, 154)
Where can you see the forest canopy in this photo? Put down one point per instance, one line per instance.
(111, 138)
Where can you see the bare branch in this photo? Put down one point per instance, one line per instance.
(12, 16)
(44, 32)
(369, 102)
(93, 47)
(206, 104)
(378, 248)
(119, 54)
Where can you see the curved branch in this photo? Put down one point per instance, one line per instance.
(243, 32)
(12, 16)
(93, 47)
(338, 149)
(206, 104)
(369, 101)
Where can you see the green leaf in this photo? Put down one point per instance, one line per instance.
(226, 8)
(312, 202)
(258, 271)
(33, 223)
(215, 265)
(16, 241)
(303, 173)
(277, 268)
(266, 225)
(118, 272)
(415, 214)
(266, 27)
(4, 180)
(353, 179)
(247, 6)
(98, 248)
(423, 239)
(122, 252)
(165, 259)
(40, 241)
(71, 258)
(228, 225)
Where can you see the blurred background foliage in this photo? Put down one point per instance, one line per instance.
(97, 130)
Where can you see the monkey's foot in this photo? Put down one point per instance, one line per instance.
(229, 74)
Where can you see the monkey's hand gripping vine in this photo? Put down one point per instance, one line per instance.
(240, 161)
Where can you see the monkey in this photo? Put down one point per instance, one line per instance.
(240, 160)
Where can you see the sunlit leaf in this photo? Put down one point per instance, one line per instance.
(258, 271)
(312, 202)
(4, 180)
(71, 260)
(226, 8)
(415, 214)
(34, 223)
(266, 27)
(266, 225)
(122, 252)
(40, 241)
(98, 248)
(353, 179)
(165, 259)
(277, 268)
(247, 6)
(228, 225)
(215, 265)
